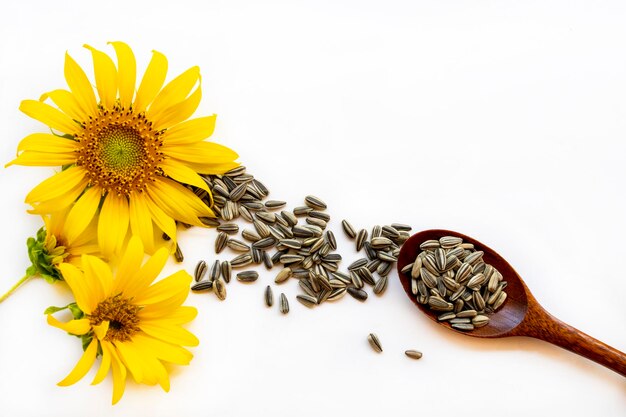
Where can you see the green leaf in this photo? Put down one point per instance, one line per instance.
(53, 309)
(76, 311)
(86, 338)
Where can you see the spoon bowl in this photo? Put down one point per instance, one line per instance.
(520, 315)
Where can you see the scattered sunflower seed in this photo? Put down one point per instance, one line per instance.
(375, 342)
(413, 354)
(219, 287)
(283, 304)
(200, 271)
(269, 296)
(247, 276)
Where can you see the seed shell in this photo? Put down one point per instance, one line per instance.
(219, 287)
(375, 342)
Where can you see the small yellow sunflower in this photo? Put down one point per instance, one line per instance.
(134, 325)
(127, 153)
(55, 243)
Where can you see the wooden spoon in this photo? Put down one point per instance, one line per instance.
(521, 314)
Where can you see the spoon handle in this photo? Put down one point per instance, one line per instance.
(542, 325)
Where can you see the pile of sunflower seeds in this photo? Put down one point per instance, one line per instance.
(297, 241)
(450, 277)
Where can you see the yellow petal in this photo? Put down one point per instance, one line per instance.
(170, 333)
(83, 365)
(164, 351)
(59, 203)
(82, 214)
(119, 376)
(208, 168)
(67, 103)
(180, 315)
(201, 152)
(43, 159)
(50, 116)
(182, 173)
(112, 224)
(129, 264)
(143, 278)
(106, 77)
(76, 327)
(165, 288)
(79, 85)
(80, 288)
(101, 330)
(126, 72)
(152, 81)
(57, 185)
(179, 112)
(100, 275)
(141, 221)
(174, 92)
(162, 220)
(105, 364)
(190, 131)
(131, 360)
(45, 142)
(178, 201)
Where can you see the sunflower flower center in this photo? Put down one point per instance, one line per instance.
(122, 316)
(120, 151)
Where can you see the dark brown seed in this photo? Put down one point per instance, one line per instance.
(269, 296)
(357, 264)
(178, 255)
(330, 238)
(361, 237)
(219, 287)
(238, 192)
(283, 304)
(229, 228)
(413, 354)
(202, 286)
(301, 231)
(262, 188)
(357, 293)
(347, 227)
(215, 271)
(274, 204)
(265, 243)
(267, 260)
(227, 271)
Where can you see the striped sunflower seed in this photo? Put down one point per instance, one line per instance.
(250, 235)
(307, 300)
(375, 342)
(215, 271)
(247, 276)
(202, 286)
(269, 296)
(264, 243)
(283, 275)
(380, 286)
(357, 294)
(237, 245)
(229, 228)
(319, 215)
(241, 260)
(401, 227)
(220, 242)
(302, 210)
(200, 271)
(227, 271)
(219, 287)
(361, 237)
(315, 202)
(289, 217)
(347, 227)
(283, 303)
(275, 204)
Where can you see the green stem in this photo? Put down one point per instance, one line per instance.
(15, 287)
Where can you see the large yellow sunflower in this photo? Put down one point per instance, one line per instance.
(135, 326)
(56, 242)
(126, 153)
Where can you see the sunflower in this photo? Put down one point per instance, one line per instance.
(135, 326)
(56, 242)
(126, 154)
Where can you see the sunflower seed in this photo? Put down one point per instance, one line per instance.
(220, 242)
(380, 242)
(499, 301)
(390, 232)
(265, 243)
(430, 244)
(319, 215)
(401, 227)
(215, 271)
(356, 280)
(357, 264)
(241, 260)
(235, 171)
(275, 204)
(464, 273)
(289, 217)
(307, 300)
(219, 287)
(417, 265)
(209, 221)
(247, 276)
(463, 326)
(480, 321)
(446, 316)
(301, 231)
(375, 342)
(366, 275)
(266, 217)
(380, 286)
(357, 293)
(316, 222)
(336, 294)
(269, 296)
(200, 271)
(250, 235)
(474, 257)
(283, 275)
(440, 259)
(291, 259)
(262, 229)
(202, 286)
(245, 213)
(178, 254)
(302, 210)
(229, 228)
(347, 227)
(226, 271)
(386, 257)
(448, 242)
(413, 354)
(466, 313)
(237, 245)
(315, 202)
(361, 237)
(283, 304)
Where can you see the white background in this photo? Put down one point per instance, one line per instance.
(502, 120)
